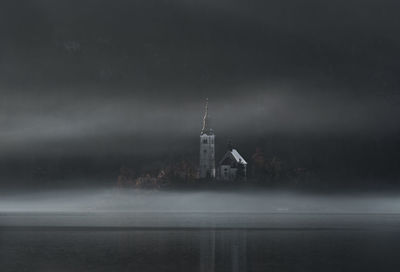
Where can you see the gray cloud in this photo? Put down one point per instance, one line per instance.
(84, 122)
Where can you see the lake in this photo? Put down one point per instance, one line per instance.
(198, 242)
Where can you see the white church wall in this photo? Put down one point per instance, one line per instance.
(207, 156)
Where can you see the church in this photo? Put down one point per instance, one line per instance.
(232, 166)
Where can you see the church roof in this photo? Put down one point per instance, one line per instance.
(237, 156)
(234, 154)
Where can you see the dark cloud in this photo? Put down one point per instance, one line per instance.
(194, 45)
(83, 77)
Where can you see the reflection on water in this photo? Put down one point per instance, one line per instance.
(199, 250)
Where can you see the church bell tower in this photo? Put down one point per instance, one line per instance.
(207, 148)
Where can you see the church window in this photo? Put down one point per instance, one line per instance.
(204, 141)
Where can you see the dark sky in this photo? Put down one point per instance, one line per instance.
(94, 78)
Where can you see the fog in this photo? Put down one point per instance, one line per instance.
(225, 210)
(133, 201)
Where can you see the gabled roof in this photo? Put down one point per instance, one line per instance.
(237, 156)
(233, 154)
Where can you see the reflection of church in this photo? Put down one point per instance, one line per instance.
(231, 167)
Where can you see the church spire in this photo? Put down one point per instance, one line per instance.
(207, 148)
(205, 127)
